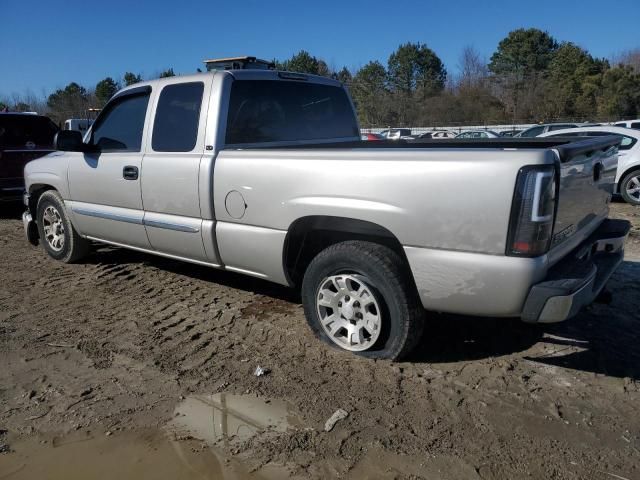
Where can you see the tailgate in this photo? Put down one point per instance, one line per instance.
(587, 175)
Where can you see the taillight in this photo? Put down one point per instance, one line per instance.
(532, 212)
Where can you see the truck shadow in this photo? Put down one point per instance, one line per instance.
(109, 255)
(602, 339)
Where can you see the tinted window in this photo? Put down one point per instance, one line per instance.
(560, 127)
(176, 126)
(635, 125)
(120, 125)
(532, 132)
(620, 125)
(16, 131)
(277, 111)
(625, 144)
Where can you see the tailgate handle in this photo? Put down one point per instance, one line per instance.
(130, 172)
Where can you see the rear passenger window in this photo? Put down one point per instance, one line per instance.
(627, 142)
(176, 125)
(636, 125)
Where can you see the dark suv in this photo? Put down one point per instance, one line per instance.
(23, 137)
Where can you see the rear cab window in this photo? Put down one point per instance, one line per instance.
(264, 111)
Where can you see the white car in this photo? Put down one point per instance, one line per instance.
(629, 124)
(478, 134)
(397, 134)
(628, 174)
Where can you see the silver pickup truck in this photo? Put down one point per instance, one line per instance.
(264, 173)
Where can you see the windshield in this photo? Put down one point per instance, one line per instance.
(19, 131)
(263, 111)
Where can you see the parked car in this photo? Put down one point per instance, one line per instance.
(263, 173)
(397, 133)
(635, 124)
(79, 124)
(424, 135)
(627, 181)
(23, 137)
(544, 128)
(510, 133)
(478, 134)
(373, 137)
(442, 134)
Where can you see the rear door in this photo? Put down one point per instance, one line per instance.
(171, 173)
(105, 186)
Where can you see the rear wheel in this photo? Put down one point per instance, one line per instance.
(59, 238)
(359, 297)
(630, 187)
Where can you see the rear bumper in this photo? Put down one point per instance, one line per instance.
(578, 279)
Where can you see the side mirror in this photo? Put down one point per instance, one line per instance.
(68, 141)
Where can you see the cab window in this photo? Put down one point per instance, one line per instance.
(177, 116)
(119, 127)
(283, 111)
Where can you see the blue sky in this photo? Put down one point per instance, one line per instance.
(45, 44)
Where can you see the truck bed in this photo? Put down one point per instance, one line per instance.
(565, 146)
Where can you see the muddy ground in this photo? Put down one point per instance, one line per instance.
(108, 348)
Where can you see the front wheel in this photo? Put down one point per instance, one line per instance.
(58, 237)
(630, 188)
(358, 296)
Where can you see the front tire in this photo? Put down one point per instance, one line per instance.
(358, 296)
(58, 237)
(630, 187)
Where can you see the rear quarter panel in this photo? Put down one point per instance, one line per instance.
(453, 199)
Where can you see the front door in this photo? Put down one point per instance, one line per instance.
(106, 198)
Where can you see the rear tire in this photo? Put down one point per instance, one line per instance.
(58, 237)
(630, 187)
(358, 296)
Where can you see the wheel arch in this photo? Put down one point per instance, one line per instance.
(307, 236)
(624, 175)
(35, 192)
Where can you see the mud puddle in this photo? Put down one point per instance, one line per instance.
(188, 447)
(230, 418)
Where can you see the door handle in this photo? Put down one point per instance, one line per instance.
(130, 172)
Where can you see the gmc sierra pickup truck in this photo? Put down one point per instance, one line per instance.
(264, 173)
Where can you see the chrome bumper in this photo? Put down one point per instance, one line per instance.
(578, 279)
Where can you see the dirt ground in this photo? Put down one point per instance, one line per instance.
(108, 349)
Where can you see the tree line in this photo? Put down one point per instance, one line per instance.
(530, 77)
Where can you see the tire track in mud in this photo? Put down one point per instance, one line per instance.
(206, 330)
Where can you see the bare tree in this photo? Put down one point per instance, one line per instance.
(629, 57)
(473, 69)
